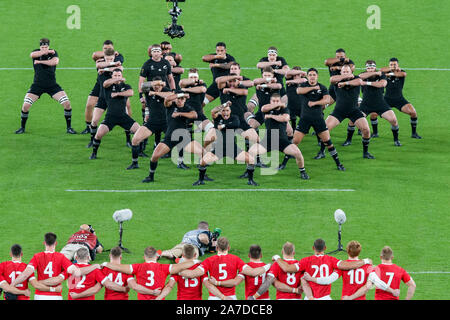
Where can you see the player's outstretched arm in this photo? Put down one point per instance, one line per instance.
(86, 270)
(124, 268)
(354, 264)
(338, 78)
(286, 267)
(285, 288)
(86, 293)
(141, 289)
(263, 288)
(254, 272)
(23, 276)
(197, 272)
(8, 288)
(411, 289)
(177, 268)
(322, 280)
(227, 283)
(166, 290)
(380, 284)
(360, 292)
(213, 289)
(43, 285)
(306, 289)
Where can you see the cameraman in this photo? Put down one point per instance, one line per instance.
(202, 239)
(85, 237)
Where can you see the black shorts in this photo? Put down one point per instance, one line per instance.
(352, 114)
(243, 124)
(156, 127)
(396, 102)
(295, 110)
(305, 124)
(95, 92)
(283, 142)
(379, 107)
(213, 90)
(125, 121)
(101, 103)
(38, 90)
(183, 140)
(230, 150)
(332, 91)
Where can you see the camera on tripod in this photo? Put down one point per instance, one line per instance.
(174, 30)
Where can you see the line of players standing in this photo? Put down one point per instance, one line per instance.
(171, 105)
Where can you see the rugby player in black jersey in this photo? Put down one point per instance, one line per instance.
(178, 113)
(196, 88)
(226, 146)
(45, 61)
(294, 78)
(219, 63)
(116, 94)
(266, 86)
(394, 93)
(276, 117)
(373, 101)
(175, 61)
(347, 87)
(334, 65)
(155, 117)
(105, 66)
(279, 67)
(316, 97)
(94, 94)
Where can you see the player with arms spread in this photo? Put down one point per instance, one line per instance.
(226, 123)
(357, 281)
(45, 61)
(394, 93)
(150, 275)
(189, 288)
(50, 266)
(392, 274)
(219, 63)
(224, 266)
(176, 135)
(347, 87)
(155, 121)
(117, 93)
(252, 284)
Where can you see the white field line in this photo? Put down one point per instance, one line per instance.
(215, 190)
(204, 68)
(429, 272)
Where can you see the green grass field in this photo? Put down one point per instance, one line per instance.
(400, 199)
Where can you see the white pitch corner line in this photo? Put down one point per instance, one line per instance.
(214, 190)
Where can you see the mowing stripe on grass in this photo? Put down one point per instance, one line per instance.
(205, 68)
(217, 190)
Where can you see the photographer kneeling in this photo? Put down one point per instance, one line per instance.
(202, 239)
(84, 238)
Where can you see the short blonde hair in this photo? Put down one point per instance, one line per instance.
(353, 248)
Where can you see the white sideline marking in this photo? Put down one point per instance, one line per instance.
(429, 272)
(204, 68)
(217, 190)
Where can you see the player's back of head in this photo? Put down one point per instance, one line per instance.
(188, 251)
(353, 248)
(50, 238)
(16, 250)
(150, 252)
(386, 253)
(223, 244)
(289, 249)
(319, 245)
(254, 252)
(82, 255)
(116, 252)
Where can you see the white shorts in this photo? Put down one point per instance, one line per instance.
(217, 298)
(70, 250)
(45, 297)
